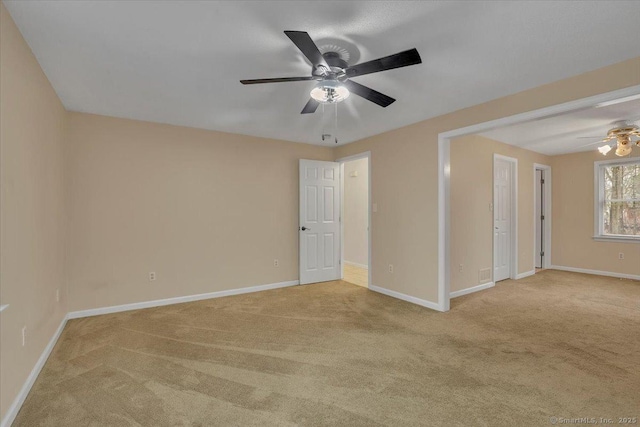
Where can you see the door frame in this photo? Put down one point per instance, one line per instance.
(444, 168)
(546, 211)
(513, 221)
(342, 161)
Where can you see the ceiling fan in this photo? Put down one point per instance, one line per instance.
(624, 132)
(334, 75)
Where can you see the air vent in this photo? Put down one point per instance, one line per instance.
(484, 275)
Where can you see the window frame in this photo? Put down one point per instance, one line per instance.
(598, 175)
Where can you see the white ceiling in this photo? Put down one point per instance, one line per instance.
(179, 62)
(568, 133)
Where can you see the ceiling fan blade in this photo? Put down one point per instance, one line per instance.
(277, 80)
(402, 59)
(310, 107)
(595, 143)
(307, 47)
(369, 94)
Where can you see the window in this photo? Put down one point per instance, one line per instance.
(618, 199)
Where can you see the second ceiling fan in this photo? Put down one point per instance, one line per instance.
(334, 74)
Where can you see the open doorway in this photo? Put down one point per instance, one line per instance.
(355, 219)
(586, 118)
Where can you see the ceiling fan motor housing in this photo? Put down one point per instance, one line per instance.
(335, 61)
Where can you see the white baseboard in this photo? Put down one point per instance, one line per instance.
(408, 298)
(525, 274)
(177, 300)
(596, 272)
(24, 391)
(471, 290)
(355, 264)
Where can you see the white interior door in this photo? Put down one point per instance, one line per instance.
(319, 221)
(502, 219)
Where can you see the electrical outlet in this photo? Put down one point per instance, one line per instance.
(24, 336)
(390, 268)
(58, 295)
(621, 255)
(152, 276)
(460, 267)
(276, 263)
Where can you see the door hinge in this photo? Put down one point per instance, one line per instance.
(542, 217)
(542, 253)
(542, 181)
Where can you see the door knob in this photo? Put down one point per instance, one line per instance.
(305, 228)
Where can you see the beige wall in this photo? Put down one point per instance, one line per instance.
(573, 213)
(31, 210)
(471, 195)
(404, 176)
(207, 211)
(356, 211)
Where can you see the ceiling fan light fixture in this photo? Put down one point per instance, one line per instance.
(624, 146)
(604, 149)
(329, 92)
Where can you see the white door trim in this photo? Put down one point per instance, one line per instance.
(342, 161)
(513, 232)
(546, 211)
(444, 170)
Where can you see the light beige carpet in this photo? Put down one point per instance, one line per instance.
(555, 344)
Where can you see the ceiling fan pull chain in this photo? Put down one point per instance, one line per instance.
(324, 119)
(335, 133)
